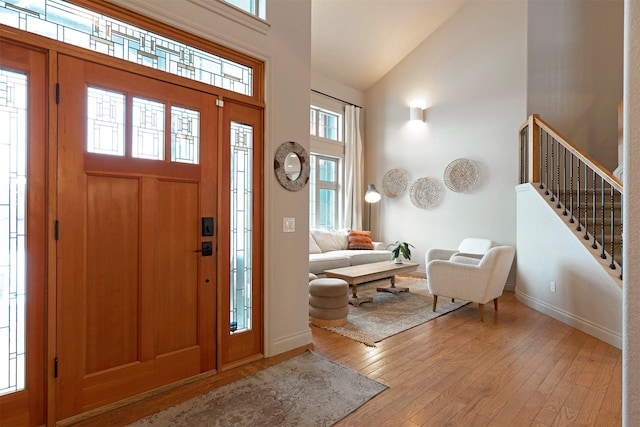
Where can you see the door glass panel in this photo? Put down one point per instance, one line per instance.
(13, 180)
(148, 129)
(241, 230)
(185, 135)
(105, 122)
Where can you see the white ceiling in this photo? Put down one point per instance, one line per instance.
(356, 42)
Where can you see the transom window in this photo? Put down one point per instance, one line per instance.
(325, 124)
(78, 26)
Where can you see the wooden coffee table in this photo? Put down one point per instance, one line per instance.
(363, 273)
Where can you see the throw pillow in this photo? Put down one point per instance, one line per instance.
(330, 240)
(313, 246)
(360, 240)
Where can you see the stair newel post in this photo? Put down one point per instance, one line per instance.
(523, 160)
(533, 152)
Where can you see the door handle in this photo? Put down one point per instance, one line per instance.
(206, 249)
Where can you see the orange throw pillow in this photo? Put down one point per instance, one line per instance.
(360, 240)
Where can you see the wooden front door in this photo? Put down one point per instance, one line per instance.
(136, 289)
(22, 235)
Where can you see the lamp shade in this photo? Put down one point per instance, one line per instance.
(372, 195)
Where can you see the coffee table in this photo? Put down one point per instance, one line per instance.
(363, 273)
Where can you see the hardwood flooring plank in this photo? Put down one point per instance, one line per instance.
(517, 368)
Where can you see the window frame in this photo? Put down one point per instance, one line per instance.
(330, 149)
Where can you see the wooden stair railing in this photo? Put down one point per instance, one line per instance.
(588, 194)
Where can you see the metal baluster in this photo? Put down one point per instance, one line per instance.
(586, 203)
(546, 163)
(613, 227)
(621, 228)
(564, 181)
(603, 255)
(540, 146)
(552, 159)
(595, 232)
(579, 228)
(571, 220)
(558, 174)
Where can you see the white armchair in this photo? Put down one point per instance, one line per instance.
(481, 283)
(471, 247)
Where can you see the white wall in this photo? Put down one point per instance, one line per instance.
(631, 218)
(471, 73)
(588, 295)
(286, 50)
(575, 71)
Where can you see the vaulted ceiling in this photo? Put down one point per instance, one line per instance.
(356, 42)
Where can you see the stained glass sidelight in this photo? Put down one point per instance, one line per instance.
(105, 122)
(185, 135)
(241, 229)
(13, 180)
(147, 129)
(72, 24)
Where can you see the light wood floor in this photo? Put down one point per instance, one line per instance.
(517, 368)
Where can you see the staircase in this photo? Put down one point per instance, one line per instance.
(587, 195)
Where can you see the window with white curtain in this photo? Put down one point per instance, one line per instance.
(326, 162)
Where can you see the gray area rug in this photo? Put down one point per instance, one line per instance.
(391, 314)
(306, 390)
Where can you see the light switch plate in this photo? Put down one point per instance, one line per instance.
(288, 225)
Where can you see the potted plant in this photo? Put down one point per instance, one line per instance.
(400, 248)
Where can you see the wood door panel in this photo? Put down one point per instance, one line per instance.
(132, 311)
(113, 271)
(138, 378)
(177, 280)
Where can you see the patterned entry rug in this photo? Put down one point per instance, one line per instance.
(306, 390)
(391, 314)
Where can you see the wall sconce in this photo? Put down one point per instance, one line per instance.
(416, 113)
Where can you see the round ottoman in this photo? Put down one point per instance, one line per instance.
(328, 302)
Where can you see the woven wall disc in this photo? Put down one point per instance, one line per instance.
(461, 175)
(426, 193)
(394, 182)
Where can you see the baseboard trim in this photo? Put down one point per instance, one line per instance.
(610, 337)
(289, 342)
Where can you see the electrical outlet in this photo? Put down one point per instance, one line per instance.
(552, 286)
(288, 225)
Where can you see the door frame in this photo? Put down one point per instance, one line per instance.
(52, 48)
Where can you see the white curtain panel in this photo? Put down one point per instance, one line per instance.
(353, 169)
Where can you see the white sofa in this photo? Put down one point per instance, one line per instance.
(329, 249)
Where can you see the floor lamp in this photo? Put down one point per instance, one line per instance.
(371, 196)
